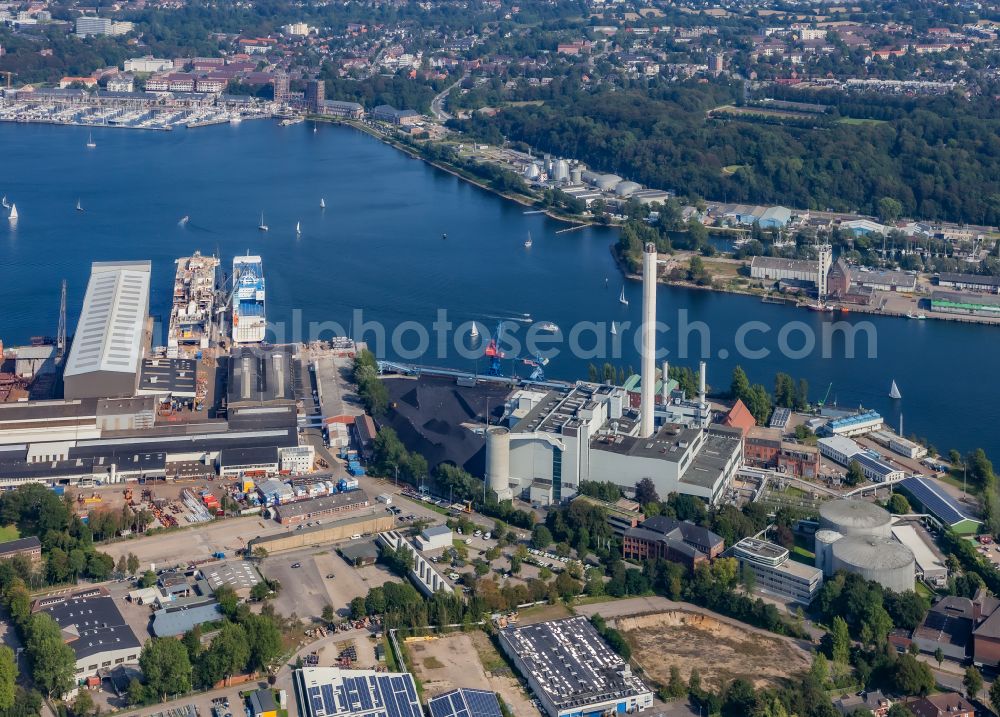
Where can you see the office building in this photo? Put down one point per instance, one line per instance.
(109, 341)
(331, 506)
(90, 25)
(30, 548)
(774, 571)
(315, 95)
(572, 671)
(281, 87)
(347, 110)
(678, 541)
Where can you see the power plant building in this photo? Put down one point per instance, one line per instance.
(857, 536)
(107, 349)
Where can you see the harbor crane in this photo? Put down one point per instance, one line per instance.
(494, 353)
(826, 396)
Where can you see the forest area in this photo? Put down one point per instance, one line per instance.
(939, 157)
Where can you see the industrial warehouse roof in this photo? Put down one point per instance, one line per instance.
(262, 375)
(774, 262)
(571, 663)
(109, 334)
(174, 444)
(174, 621)
(332, 692)
(465, 703)
(90, 621)
(319, 505)
(935, 500)
(177, 377)
(248, 456)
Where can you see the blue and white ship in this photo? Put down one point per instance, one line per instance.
(249, 322)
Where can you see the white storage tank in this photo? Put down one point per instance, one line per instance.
(532, 171)
(626, 189)
(607, 182)
(560, 170)
(498, 461)
(855, 517)
(883, 560)
(576, 175)
(824, 545)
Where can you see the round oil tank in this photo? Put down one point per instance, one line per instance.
(824, 543)
(560, 170)
(576, 175)
(855, 517)
(883, 560)
(532, 171)
(498, 459)
(626, 189)
(607, 182)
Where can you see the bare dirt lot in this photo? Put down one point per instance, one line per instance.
(466, 659)
(720, 651)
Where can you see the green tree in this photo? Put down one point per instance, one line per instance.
(939, 656)
(228, 600)
(165, 664)
(740, 386)
(541, 537)
(8, 677)
(898, 504)
(973, 682)
(995, 696)
(226, 656)
(889, 209)
(53, 662)
(840, 641)
(83, 704)
(148, 579)
(265, 641)
(855, 476)
(676, 686)
(911, 676)
(329, 614)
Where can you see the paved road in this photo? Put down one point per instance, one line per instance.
(437, 104)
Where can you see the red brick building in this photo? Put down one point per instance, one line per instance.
(678, 541)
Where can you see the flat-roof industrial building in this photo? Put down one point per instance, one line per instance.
(572, 671)
(333, 692)
(108, 344)
(775, 573)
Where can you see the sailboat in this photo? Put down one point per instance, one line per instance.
(894, 391)
(90, 141)
(614, 329)
(298, 228)
(474, 333)
(79, 207)
(184, 220)
(622, 299)
(13, 213)
(322, 203)
(262, 226)
(527, 242)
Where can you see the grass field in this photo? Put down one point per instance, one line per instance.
(8, 532)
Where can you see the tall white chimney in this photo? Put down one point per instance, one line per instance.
(701, 383)
(648, 340)
(666, 381)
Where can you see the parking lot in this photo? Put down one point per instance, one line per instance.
(306, 590)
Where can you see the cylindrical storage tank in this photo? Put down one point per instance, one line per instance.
(855, 517)
(607, 182)
(532, 171)
(880, 559)
(627, 189)
(498, 459)
(560, 170)
(824, 544)
(576, 175)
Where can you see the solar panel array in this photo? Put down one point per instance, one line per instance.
(934, 500)
(465, 703)
(780, 417)
(365, 695)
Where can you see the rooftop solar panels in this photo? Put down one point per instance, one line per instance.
(465, 703)
(779, 419)
(934, 499)
(331, 692)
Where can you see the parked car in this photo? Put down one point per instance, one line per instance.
(296, 565)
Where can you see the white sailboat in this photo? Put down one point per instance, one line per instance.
(13, 213)
(614, 329)
(622, 299)
(527, 242)
(184, 220)
(90, 141)
(298, 228)
(894, 391)
(79, 207)
(474, 332)
(322, 203)
(262, 226)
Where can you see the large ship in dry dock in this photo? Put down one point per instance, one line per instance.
(192, 317)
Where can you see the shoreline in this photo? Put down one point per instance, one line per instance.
(797, 303)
